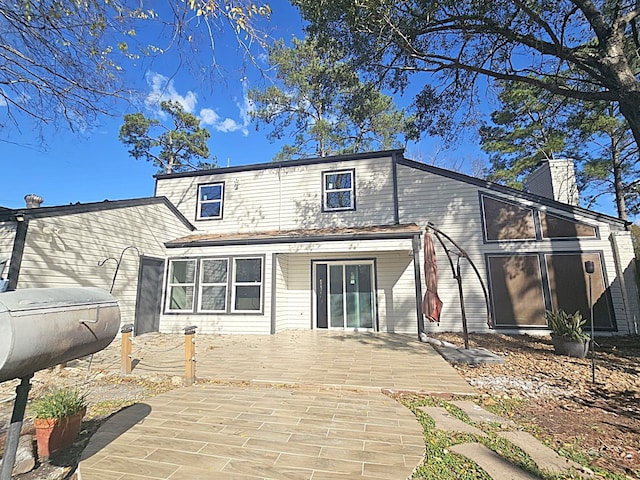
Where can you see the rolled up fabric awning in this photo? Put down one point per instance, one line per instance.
(431, 303)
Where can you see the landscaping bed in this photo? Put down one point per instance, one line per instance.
(554, 397)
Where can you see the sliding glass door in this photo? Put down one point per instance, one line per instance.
(344, 292)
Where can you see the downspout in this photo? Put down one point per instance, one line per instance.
(18, 251)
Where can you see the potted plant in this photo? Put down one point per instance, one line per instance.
(58, 417)
(566, 333)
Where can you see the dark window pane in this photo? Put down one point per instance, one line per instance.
(248, 270)
(183, 271)
(211, 192)
(181, 298)
(505, 221)
(339, 200)
(569, 286)
(516, 288)
(214, 298)
(247, 298)
(214, 271)
(557, 227)
(334, 181)
(210, 209)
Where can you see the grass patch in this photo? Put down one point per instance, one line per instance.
(440, 463)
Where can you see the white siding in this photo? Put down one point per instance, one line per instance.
(7, 236)
(453, 206)
(295, 296)
(287, 198)
(626, 269)
(64, 250)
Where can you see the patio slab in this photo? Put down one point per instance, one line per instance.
(295, 405)
(353, 360)
(280, 433)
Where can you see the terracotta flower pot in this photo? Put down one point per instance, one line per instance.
(55, 434)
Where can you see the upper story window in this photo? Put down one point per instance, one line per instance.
(210, 198)
(339, 191)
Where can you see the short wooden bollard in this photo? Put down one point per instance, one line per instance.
(190, 354)
(125, 349)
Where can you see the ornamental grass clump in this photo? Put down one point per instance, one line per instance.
(567, 325)
(60, 403)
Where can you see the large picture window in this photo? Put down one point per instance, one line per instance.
(339, 191)
(215, 285)
(181, 285)
(210, 199)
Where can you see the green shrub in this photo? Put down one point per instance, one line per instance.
(60, 403)
(567, 325)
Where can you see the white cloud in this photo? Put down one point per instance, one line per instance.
(163, 89)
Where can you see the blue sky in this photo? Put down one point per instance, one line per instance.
(93, 165)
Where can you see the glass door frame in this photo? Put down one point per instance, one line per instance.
(315, 287)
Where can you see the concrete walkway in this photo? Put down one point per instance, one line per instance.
(295, 405)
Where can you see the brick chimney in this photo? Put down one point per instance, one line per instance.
(555, 179)
(33, 201)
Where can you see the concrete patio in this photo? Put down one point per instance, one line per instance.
(295, 405)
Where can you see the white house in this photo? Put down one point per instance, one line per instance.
(335, 243)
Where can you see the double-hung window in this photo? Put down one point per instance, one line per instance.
(215, 285)
(338, 190)
(181, 285)
(214, 275)
(247, 284)
(210, 199)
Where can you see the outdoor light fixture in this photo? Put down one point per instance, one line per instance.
(590, 268)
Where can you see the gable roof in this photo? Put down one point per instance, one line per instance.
(284, 164)
(496, 187)
(58, 210)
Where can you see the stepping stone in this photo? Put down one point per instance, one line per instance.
(448, 423)
(492, 463)
(478, 414)
(546, 458)
(472, 356)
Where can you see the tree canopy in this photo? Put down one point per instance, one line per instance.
(178, 149)
(320, 104)
(534, 125)
(62, 59)
(587, 50)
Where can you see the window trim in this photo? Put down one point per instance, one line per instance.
(202, 284)
(234, 284)
(325, 191)
(230, 294)
(537, 223)
(170, 286)
(200, 202)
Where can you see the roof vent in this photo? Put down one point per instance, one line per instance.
(33, 201)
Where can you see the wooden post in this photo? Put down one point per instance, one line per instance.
(125, 349)
(190, 354)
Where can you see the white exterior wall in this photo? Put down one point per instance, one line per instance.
(7, 237)
(626, 268)
(286, 198)
(295, 297)
(453, 206)
(64, 250)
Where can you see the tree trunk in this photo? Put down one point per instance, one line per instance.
(630, 110)
(618, 186)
